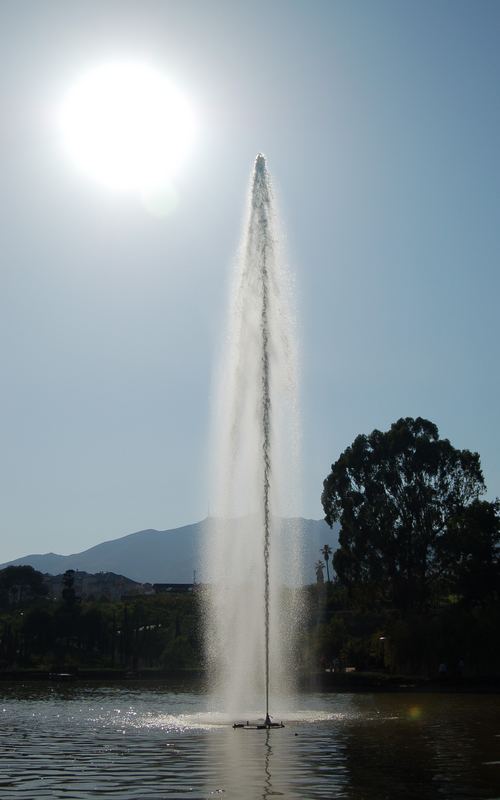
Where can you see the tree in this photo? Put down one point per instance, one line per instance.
(326, 552)
(38, 630)
(319, 568)
(470, 553)
(68, 592)
(394, 494)
(19, 584)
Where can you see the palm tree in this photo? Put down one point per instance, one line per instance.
(326, 552)
(319, 568)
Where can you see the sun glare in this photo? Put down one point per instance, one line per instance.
(126, 126)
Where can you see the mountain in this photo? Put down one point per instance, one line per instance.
(171, 556)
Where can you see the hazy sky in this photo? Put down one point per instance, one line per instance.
(381, 122)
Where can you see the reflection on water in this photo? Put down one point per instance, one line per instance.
(75, 742)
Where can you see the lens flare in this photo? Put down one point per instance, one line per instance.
(415, 713)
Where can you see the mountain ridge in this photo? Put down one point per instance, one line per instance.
(172, 555)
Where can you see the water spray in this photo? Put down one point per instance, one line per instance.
(260, 227)
(250, 627)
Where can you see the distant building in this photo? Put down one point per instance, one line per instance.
(173, 588)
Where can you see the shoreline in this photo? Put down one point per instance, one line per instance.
(351, 682)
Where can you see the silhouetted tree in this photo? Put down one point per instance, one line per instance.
(19, 584)
(38, 630)
(394, 494)
(470, 553)
(319, 569)
(92, 629)
(326, 552)
(68, 592)
(8, 644)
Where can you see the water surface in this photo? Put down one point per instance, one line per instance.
(143, 741)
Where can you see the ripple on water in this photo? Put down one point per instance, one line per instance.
(87, 743)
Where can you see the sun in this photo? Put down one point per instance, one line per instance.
(125, 125)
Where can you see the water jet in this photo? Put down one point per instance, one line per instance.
(251, 617)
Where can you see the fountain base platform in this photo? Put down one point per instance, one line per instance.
(259, 726)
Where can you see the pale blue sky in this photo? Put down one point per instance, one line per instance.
(381, 122)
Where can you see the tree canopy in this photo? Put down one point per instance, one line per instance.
(404, 499)
(19, 583)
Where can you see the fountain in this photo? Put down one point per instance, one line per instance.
(251, 613)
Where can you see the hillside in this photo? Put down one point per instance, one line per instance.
(152, 556)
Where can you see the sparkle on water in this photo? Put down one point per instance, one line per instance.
(150, 741)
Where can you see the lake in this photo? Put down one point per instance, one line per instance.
(139, 740)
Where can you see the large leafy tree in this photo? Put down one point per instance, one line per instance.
(19, 584)
(470, 553)
(394, 494)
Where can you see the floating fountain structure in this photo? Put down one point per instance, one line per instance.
(252, 613)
